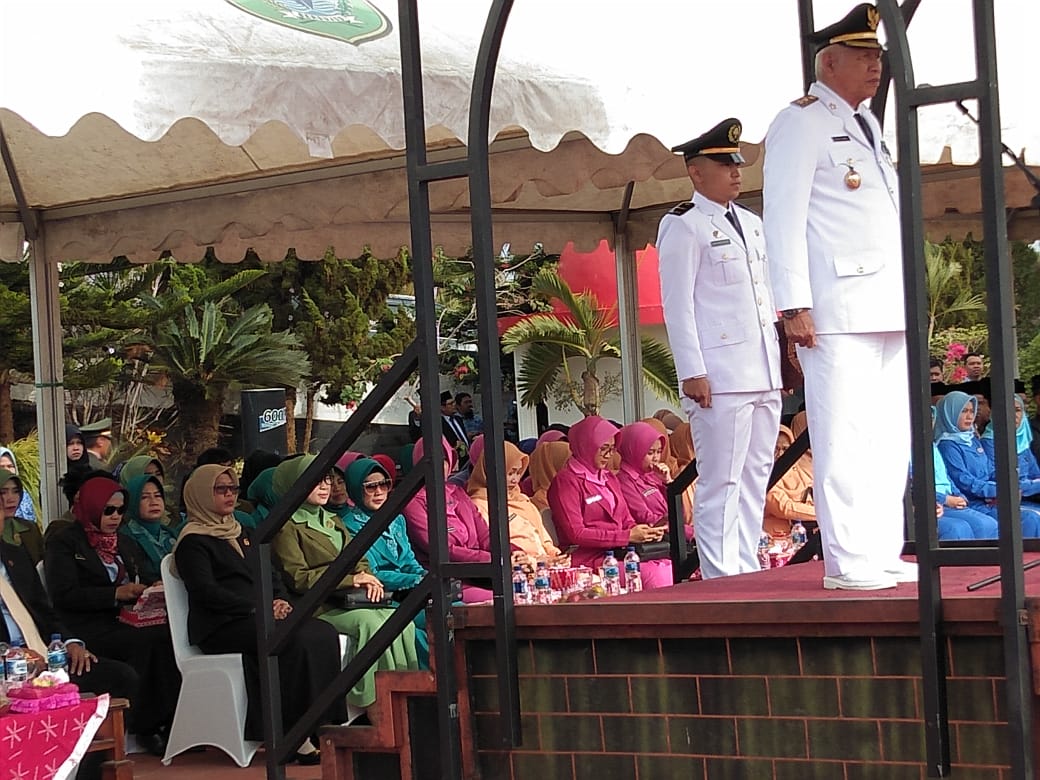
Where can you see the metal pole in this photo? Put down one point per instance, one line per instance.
(628, 314)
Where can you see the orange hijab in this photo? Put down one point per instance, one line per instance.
(667, 457)
(547, 459)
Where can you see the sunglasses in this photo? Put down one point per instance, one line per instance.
(110, 510)
(226, 490)
(372, 487)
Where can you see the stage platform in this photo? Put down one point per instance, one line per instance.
(764, 675)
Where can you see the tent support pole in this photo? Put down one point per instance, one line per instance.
(628, 314)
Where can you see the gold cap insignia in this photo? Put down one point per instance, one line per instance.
(873, 18)
(734, 133)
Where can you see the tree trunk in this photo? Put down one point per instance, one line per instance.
(308, 424)
(290, 420)
(199, 419)
(6, 408)
(590, 393)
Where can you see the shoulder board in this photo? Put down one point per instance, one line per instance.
(805, 100)
(682, 208)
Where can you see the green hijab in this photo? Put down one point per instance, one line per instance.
(135, 468)
(286, 474)
(155, 538)
(357, 473)
(261, 493)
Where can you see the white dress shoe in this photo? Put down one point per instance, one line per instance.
(903, 571)
(859, 581)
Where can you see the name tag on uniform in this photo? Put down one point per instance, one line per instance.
(649, 492)
(840, 138)
(721, 242)
(593, 499)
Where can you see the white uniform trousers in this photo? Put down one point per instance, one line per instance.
(858, 409)
(734, 440)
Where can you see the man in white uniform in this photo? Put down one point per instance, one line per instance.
(831, 210)
(720, 318)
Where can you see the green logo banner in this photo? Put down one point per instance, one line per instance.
(353, 21)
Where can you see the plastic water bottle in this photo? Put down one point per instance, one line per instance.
(611, 575)
(764, 543)
(57, 655)
(16, 666)
(798, 534)
(520, 592)
(542, 585)
(633, 577)
(4, 650)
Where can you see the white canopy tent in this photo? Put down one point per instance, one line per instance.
(142, 128)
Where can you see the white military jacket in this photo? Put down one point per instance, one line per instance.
(718, 307)
(832, 247)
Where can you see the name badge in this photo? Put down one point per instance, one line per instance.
(840, 138)
(593, 499)
(650, 492)
(721, 242)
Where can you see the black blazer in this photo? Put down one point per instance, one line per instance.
(26, 582)
(220, 583)
(78, 581)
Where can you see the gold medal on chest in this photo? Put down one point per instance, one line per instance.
(852, 178)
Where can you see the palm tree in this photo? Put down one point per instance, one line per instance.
(205, 349)
(948, 296)
(585, 331)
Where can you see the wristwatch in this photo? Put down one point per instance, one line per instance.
(790, 314)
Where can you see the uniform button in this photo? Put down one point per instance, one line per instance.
(723, 336)
(764, 323)
(759, 301)
(859, 269)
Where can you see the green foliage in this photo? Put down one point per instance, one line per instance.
(587, 332)
(950, 298)
(27, 455)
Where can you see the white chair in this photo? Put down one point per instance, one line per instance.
(211, 708)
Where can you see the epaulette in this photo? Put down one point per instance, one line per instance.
(682, 208)
(805, 100)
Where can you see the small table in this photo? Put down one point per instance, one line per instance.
(52, 742)
(110, 740)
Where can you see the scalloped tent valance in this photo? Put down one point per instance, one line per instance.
(141, 128)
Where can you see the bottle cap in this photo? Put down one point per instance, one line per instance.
(55, 637)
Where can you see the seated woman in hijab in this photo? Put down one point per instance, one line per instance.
(546, 460)
(306, 545)
(92, 572)
(146, 509)
(217, 561)
(255, 462)
(966, 463)
(589, 509)
(468, 538)
(1028, 470)
(17, 530)
(790, 498)
(644, 475)
(954, 518)
(390, 557)
(528, 536)
(138, 465)
(75, 449)
(21, 527)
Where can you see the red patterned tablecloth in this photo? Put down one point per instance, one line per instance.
(48, 744)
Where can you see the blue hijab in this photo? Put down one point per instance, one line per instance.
(948, 411)
(1023, 434)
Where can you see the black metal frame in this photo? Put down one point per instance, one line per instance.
(424, 353)
(1000, 318)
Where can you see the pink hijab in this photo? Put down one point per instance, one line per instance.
(585, 438)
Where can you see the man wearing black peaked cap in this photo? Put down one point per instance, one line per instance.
(720, 318)
(831, 211)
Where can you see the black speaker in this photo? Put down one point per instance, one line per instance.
(263, 420)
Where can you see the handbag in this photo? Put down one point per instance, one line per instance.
(357, 598)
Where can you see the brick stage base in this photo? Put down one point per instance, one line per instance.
(759, 676)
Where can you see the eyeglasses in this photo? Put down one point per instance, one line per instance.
(110, 510)
(607, 449)
(372, 487)
(226, 490)
(326, 480)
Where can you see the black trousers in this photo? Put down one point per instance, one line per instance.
(149, 651)
(306, 667)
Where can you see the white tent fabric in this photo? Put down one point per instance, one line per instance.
(138, 128)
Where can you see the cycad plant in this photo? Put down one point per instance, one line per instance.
(206, 349)
(585, 331)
